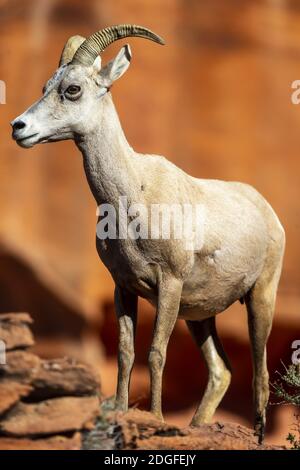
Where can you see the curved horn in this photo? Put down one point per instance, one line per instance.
(95, 44)
(71, 46)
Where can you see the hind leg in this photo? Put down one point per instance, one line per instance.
(260, 302)
(126, 310)
(206, 337)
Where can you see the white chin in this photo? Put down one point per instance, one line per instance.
(26, 143)
(29, 141)
(36, 139)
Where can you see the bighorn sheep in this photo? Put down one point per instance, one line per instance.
(243, 241)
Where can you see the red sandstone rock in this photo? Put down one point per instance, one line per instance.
(50, 378)
(10, 393)
(63, 377)
(59, 415)
(20, 365)
(52, 443)
(14, 330)
(140, 430)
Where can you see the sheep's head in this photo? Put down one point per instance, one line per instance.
(71, 101)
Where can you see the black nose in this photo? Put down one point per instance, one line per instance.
(18, 125)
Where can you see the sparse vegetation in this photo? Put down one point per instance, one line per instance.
(103, 436)
(287, 389)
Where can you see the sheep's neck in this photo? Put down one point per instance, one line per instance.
(109, 159)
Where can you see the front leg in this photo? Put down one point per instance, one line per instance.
(126, 310)
(169, 294)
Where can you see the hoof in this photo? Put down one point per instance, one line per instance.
(198, 421)
(259, 430)
(194, 424)
(158, 416)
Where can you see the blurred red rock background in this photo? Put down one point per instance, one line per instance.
(217, 102)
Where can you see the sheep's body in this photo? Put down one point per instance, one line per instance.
(241, 246)
(239, 227)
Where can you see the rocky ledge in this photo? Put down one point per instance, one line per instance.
(137, 430)
(54, 404)
(44, 404)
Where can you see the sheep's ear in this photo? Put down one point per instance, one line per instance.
(116, 67)
(97, 63)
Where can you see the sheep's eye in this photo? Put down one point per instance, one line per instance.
(72, 91)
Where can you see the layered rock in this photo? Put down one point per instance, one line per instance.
(138, 430)
(44, 404)
(54, 404)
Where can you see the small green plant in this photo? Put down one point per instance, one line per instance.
(295, 443)
(287, 389)
(103, 436)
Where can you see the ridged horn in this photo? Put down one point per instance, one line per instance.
(71, 46)
(97, 42)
